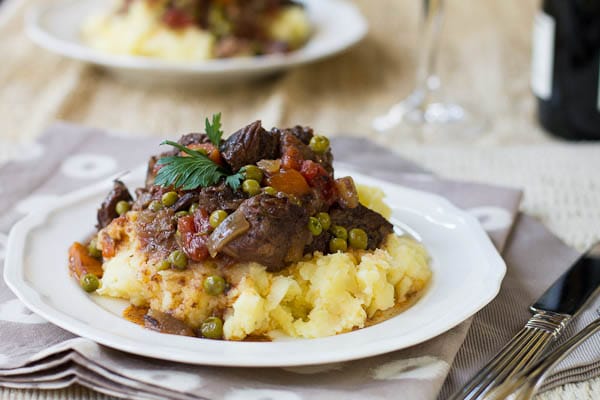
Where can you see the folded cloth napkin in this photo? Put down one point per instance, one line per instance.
(36, 354)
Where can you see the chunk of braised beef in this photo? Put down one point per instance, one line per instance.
(143, 197)
(249, 145)
(193, 138)
(373, 223)
(166, 323)
(293, 151)
(326, 160)
(220, 197)
(244, 16)
(156, 231)
(314, 202)
(108, 209)
(277, 236)
(184, 201)
(319, 243)
(304, 133)
(146, 195)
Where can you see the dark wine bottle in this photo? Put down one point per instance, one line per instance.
(565, 74)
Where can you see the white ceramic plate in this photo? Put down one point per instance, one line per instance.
(467, 273)
(56, 26)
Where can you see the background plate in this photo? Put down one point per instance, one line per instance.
(337, 25)
(467, 273)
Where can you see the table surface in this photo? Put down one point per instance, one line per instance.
(484, 61)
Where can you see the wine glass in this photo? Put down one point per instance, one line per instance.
(423, 113)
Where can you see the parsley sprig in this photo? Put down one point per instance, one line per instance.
(196, 170)
(213, 131)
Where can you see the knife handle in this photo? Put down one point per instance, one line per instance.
(523, 349)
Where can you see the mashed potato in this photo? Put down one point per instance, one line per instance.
(323, 296)
(140, 32)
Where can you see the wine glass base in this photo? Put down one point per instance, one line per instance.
(432, 121)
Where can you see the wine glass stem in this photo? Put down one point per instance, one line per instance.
(427, 80)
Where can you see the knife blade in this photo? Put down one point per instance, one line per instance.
(569, 293)
(551, 313)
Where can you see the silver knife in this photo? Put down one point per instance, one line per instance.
(551, 313)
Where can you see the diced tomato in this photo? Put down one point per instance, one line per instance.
(81, 263)
(194, 235)
(317, 177)
(312, 171)
(291, 158)
(196, 247)
(211, 151)
(289, 181)
(185, 224)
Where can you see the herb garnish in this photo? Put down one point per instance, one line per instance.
(194, 171)
(213, 131)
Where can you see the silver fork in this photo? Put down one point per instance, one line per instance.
(525, 384)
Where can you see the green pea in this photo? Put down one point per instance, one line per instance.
(216, 217)
(358, 239)
(93, 249)
(89, 282)
(253, 172)
(194, 207)
(169, 198)
(155, 205)
(178, 259)
(214, 285)
(163, 265)
(324, 219)
(339, 232)
(319, 144)
(270, 190)
(212, 328)
(337, 244)
(314, 226)
(122, 207)
(182, 213)
(251, 187)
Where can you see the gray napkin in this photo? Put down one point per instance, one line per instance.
(36, 354)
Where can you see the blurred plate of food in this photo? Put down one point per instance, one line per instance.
(191, 41)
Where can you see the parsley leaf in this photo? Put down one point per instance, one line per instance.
(194, 171)
(235, 181)
(187, 173)
(213, 130)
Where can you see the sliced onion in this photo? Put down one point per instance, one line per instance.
(347, 193)
(269, 166)
(231, 227)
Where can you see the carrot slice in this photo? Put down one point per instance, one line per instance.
(289, 181)
(81, 263)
